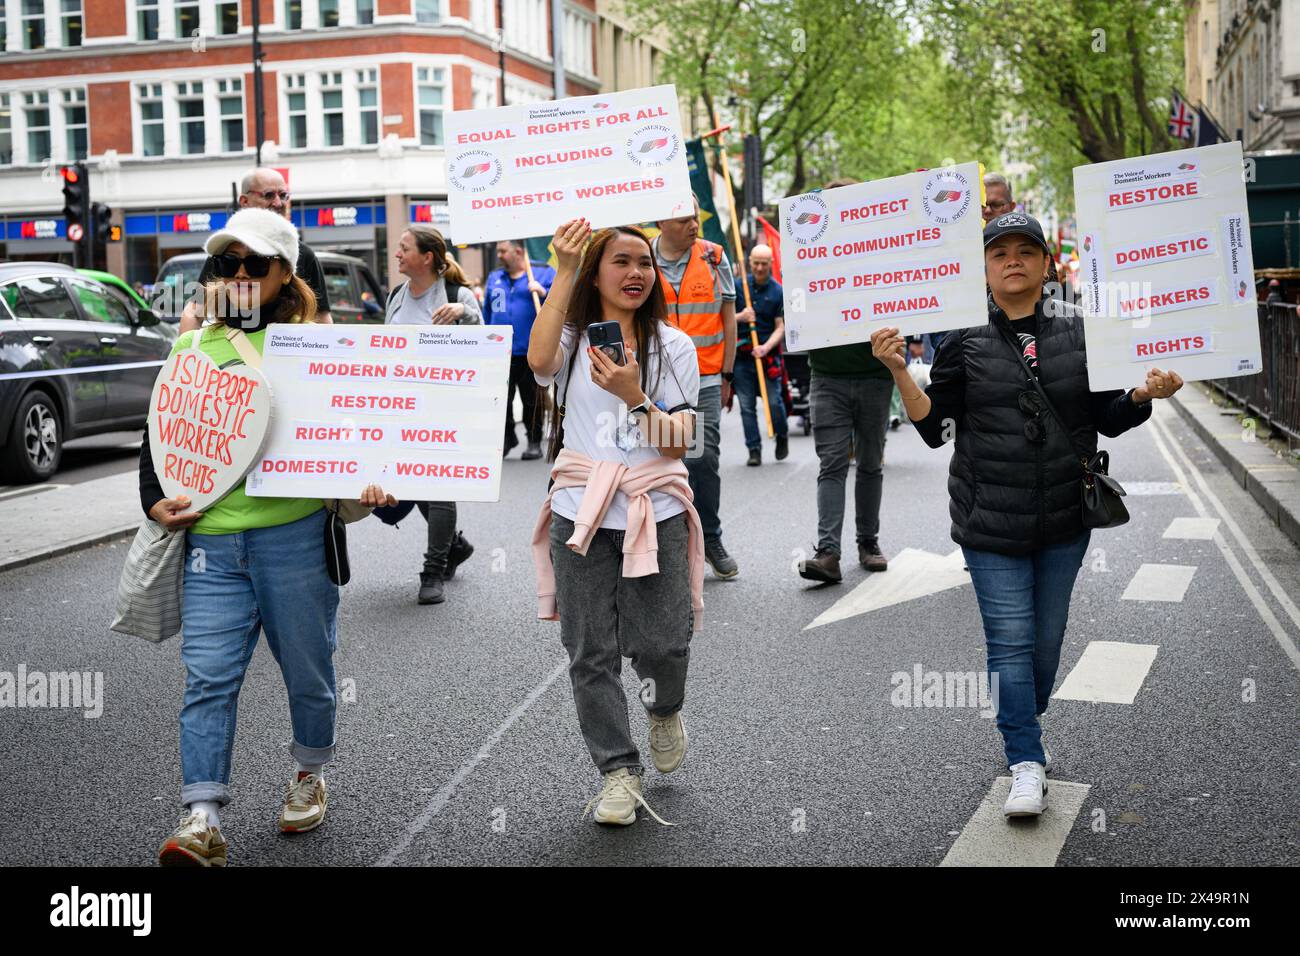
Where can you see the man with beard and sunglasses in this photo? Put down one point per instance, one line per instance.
(265, 188)
(1016, 473)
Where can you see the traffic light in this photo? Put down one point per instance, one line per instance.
(103, 230)
(76, 208)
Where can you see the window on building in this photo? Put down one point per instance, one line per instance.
(189, 108)
(368, 105)
(70, 14)
(33, 24)
(187, 18)
(365, 11)
(230, 102)
(295, 99)
(528, 26)
(329, 13)
(428, 11)
(146, 19)
(482, 14)
(4, 28)
(36, 107)
(227, 18)
(331, 104)
(152, 136)
(484, 90)
(6, 132)
(431, 83)
(76, 132)
(293, 14)
(577, 43)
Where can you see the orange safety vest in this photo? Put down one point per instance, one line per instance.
(697, 308)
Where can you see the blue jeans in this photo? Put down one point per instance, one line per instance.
(270, 579)
(748, 395)
(702, 461)
(1025, 602)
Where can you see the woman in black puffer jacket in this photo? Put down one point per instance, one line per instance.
(1015, 474)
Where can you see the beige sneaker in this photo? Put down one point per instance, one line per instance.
(618, 799)
(193, 843)
(304, 804)
(667, 741)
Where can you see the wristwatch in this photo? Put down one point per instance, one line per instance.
(644, 408)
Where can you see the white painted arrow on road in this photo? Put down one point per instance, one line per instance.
(913, 573)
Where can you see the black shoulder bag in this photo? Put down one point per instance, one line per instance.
(1102, 497)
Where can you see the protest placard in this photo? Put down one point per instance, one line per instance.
(1166, 274)
(616, 158)
(419, 410)
(207, 425)
(905, 251)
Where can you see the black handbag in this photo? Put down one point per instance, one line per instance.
(336, 547)
(1101, 496)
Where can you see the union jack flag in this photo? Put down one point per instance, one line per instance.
(1182, 119)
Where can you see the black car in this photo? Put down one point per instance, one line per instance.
(354, 294)
(77, 358)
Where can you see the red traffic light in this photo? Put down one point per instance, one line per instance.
(70, 174)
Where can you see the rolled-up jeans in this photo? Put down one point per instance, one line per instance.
(605, 617)
(1025, 602)
(236, 586)
(849, 413)
(702, 461)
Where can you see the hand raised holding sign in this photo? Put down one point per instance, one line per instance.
(374, 497)
(1158, 385)
(171, 513)
(887, 346)
(568, 242)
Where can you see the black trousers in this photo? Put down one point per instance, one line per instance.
(441, 516)
(521, 377)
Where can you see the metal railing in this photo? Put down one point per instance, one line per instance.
(1273, 395)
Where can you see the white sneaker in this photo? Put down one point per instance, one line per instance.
(667, 741)
(618, 799)
(1047, 755)
(1028, 794)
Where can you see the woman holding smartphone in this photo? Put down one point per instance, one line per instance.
(1016, 473)
(618, 545)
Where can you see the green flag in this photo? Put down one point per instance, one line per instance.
(539, 250)
(702, 186)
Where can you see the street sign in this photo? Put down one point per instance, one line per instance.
(75, 232)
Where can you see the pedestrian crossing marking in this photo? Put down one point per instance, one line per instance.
(1160, 582)
(990, 839)
(1192, 529)
(1108, 672)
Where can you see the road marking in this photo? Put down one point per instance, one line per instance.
(990, 839)
(23, 491)
(1108, 672)
(1159, 582)
(444, 795)
(1192, 529)
(1165, 441)
(1145, 488)
(913, 573)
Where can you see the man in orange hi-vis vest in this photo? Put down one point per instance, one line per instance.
(701, 293)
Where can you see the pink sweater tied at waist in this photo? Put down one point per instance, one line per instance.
(601, 479)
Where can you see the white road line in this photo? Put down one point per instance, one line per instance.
(23, 491)
(1159, 582)
(1165, 441)
(1192, 529)
(444, 795)
(990, 839)
(1145, 488)
(913, 573)
(1108, 672)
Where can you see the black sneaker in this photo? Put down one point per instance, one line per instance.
(511, 441)
(457, 554)
(532, 452)
(870, 558)
(431, 589)
(755, 458)
(724, 565)
(782, 447)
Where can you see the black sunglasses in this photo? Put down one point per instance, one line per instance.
(255, 266)
(1031, 404)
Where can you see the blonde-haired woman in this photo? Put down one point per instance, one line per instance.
(263, 568)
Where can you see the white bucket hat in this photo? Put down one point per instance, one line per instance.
(263, 231)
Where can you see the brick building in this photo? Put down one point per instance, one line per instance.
(157, 97)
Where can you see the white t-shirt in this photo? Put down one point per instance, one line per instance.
(594, 418)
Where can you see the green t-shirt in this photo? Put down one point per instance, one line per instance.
(847, 361)
(236, 511)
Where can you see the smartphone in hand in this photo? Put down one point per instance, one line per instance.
(608, 337)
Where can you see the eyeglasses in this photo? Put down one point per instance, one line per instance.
(255, 267)
(271, 194)
(1031, 404)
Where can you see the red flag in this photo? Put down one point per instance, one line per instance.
(772, 238)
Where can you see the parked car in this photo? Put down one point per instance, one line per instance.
(133, 299)
(354, 294)
(77, 358)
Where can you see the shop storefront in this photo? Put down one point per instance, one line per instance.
(35, 238)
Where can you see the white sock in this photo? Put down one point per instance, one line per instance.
(211, 807)
(317, 768)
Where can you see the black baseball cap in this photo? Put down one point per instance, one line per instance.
(1015, 223)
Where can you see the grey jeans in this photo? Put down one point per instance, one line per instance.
(702, 461)
(605, 617)
(848, 410)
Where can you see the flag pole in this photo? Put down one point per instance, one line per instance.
(740, 259)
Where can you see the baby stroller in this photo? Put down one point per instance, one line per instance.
(798, 381)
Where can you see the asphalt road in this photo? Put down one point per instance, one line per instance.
(459, 744)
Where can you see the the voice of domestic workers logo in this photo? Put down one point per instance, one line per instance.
(808, 219)
(474, 170)
(653, 145)
(946, 196)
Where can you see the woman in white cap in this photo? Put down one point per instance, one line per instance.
(1013, 393)
(263, 568)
